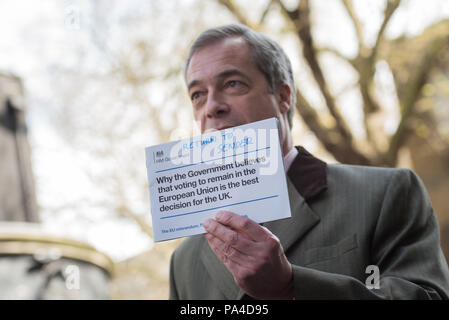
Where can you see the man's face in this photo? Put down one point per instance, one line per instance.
(227, 89)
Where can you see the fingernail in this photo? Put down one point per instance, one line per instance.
(206, 223)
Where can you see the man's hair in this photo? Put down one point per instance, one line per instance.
(269, 57)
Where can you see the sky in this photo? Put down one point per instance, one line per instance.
(37, 35)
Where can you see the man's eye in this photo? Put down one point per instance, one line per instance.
(195, 95)
(233, 83)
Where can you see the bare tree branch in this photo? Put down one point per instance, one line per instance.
(364, 84)
(355, 21)
(334, 52)
(230, 5)
(329, 137)
(412, 94)
(302, 23)
(365, 62)
(337, 140)
(392, 5)
(125, 211)
(265, 12)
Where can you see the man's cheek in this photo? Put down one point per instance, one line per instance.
(197, 119)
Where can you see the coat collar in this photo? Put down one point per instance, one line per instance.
(306, 178)
(308, 174)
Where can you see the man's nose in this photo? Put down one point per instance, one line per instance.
(215, 105)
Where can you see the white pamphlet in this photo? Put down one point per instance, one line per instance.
(239, 169)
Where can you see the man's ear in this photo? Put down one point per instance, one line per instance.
(284, 92)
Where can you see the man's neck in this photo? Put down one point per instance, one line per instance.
(287, 146)
(289, 157)
(286, 138)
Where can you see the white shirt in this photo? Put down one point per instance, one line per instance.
(289, 157)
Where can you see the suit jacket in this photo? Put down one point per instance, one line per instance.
(344, 219)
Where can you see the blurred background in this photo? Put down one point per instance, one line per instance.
(85, 86)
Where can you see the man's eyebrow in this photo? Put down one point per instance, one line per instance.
(232, 72)
(221, 75)
(193, 83)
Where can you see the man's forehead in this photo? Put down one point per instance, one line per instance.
(225, 44)
(226, 51)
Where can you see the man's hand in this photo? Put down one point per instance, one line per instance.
(252, 254)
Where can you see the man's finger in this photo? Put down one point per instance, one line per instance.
(228, 262)
(231, 237)
(230, 252)
(248, 226)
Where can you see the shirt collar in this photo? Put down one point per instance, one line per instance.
(307, 173)
(289, 157)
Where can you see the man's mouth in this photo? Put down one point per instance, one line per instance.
(224, 127)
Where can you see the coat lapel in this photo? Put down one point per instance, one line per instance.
(302, 220)
(306, 178)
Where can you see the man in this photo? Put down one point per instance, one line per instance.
(346, 220)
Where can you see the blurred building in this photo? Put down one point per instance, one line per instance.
(17, 198)
(34, 264)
